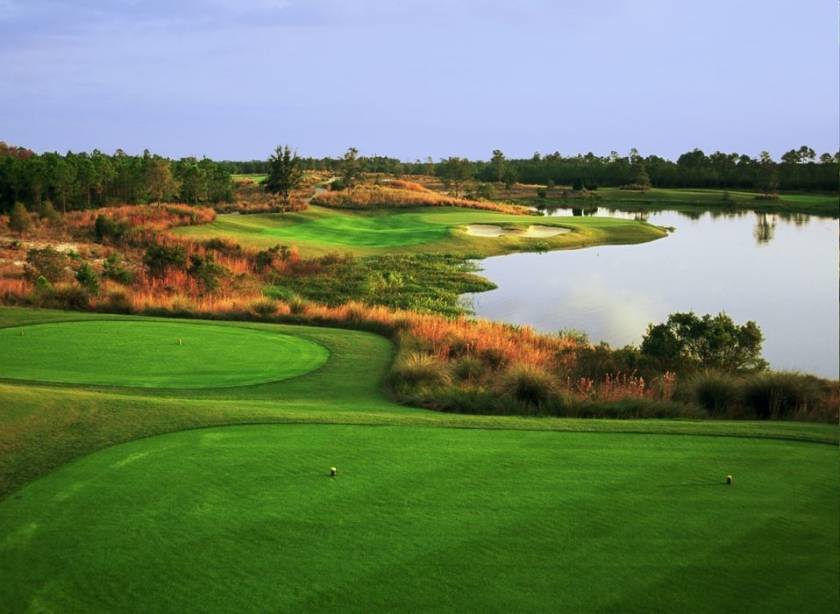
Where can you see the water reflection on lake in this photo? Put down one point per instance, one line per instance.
(781, 271)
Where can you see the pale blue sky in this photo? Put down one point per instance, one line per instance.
(230, 79)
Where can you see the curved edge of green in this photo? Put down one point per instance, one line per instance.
(323, 359)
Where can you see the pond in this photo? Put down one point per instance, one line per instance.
(780, 271)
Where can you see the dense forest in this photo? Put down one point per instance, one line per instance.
(82, 180)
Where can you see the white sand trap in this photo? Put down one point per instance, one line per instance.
(485, 230)
(541, 232)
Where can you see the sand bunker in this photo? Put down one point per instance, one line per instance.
(541, 232)
(532, 232)
(486, 230)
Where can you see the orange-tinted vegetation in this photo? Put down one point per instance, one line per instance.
(406, 194)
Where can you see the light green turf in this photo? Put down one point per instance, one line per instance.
(432, 229)
(245, 519)
(153, 354)
(430, 511)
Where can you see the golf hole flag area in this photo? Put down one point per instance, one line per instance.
(153, 354)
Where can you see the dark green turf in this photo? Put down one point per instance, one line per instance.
(153, 354)
(245, 519)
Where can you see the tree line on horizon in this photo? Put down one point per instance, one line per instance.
(76, 181)
(81, 180)
(797, 169)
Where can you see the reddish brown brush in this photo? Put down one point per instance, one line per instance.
(145, 217)
(374, 196)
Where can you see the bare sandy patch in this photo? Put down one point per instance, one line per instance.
(542, 232)
(485, 230)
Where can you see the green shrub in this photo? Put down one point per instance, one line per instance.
(529, 385)
(717, 393)
(264, 307)
(159, 257)
(117, 303)
(88, 278)
(108, 229)
(297, 306)
(687, 342)
(596, 362)
(19, 219)
(47, 263)
(468, 369)
(783, 395)
(113, 268)
(49, 214)
(72, 298)
(206, 271)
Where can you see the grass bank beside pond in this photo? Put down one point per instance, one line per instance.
(320, 230)
(420, 282)
(689, 200)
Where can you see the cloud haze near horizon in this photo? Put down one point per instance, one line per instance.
(417, 78)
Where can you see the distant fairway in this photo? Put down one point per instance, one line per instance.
(431, 229)
(245, 519)
(153, 354)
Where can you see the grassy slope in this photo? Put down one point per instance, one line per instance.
(43, 427)
(319, 230)
(700, 200)
(427, 519)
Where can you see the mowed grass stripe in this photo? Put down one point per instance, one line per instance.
(154, 354)
(246, 518)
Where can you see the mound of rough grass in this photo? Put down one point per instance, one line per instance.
(407, 195)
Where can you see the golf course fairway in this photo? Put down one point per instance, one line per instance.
(246, 519)
(320, 230)
(153, 354)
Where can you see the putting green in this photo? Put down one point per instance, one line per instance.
(153, 354)
(246, 519)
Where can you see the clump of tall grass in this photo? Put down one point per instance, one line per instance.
(417, 369)
(763, 396)
(529, 385)
(777, 396)
(394, 195)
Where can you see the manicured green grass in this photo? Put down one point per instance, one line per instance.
(420, 519)
(320, 230)
(43, 427)
(153, 354)
(429, 510)
(257, 178)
